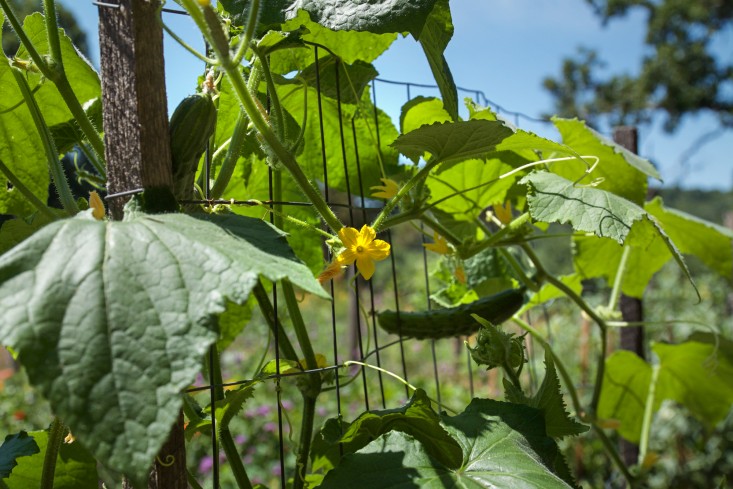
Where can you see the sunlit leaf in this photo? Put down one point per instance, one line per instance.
(119, 313)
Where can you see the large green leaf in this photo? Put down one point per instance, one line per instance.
(420, 111)
(83, 79)
(466, 189)
(349, 46)
(623, 172)
(21, 149)
(417, 419)
(695, 373)
(504, 445)
(110, 319)
(456, 141)
(694, 236)
(372, 157)
(377, 16)
(75, 467)
(14, 447)
(552, 198)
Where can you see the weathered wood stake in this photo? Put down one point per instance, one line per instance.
(137, 147)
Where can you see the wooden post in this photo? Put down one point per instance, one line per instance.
(632, 338)
(137, 147)
(135, 116)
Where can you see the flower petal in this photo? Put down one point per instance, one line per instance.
(365, 266)
(367, 235)
(346, 257)
(378, 250)
(348, 236)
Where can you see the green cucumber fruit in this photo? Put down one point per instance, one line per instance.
(453, 321)
(191, 125)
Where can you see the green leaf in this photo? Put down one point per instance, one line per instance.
(75, 467)
(121, 312)
(67, 134)
(552, 198)
(421, 111)
(232, 322)
(549, 400)
(14, 231)
(417, 419)
(626, 381)
(623, 172)
(14, 447)
(21, 149)
(695, 373)
(453, 140)
(466, 189)
(504, 445)
(487, 272)
(83, 79)
(349, 46)
(373, 158)
(353, 78)
(377, 16)
(601, 257)
(694, 236)
(433, 39)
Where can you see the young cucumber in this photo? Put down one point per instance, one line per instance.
(453, 321)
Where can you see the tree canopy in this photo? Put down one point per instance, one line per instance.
(681, 72)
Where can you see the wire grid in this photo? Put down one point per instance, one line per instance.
(398, 295)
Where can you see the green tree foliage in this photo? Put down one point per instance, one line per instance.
(65, 19)
(680, 73)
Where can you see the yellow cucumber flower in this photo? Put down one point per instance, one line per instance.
(503, 212)
(440, 246)
(332, 271)
(97, 206)
(386, 191)
(460, 275)
(363, 248)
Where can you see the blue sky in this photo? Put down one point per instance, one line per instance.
(505, 48)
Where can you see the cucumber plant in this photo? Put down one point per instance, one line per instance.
(107, 317)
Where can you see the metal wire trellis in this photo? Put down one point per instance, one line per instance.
(398, 295)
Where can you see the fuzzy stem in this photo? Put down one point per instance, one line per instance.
(52, 155)
(286, 347)
(35, 201)
(258, 120)
(306, 436)
(646, 426)
(57, 75)
(55, 438)
(230, 160)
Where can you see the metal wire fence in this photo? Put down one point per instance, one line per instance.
(353, 335)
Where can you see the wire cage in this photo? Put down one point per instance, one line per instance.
(365, 368)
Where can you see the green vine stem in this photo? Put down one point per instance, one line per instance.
(570, 293)
(225, 436)
(54, 70)
(226, 170)
(616, 290)
(263, 301)
(55, 439)
(20, 186)
(282, 129)
(306, 436)
(49, 147)
(646, 425)
(613, 453)
(540, 338)
(211, 28)
(575, 399)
